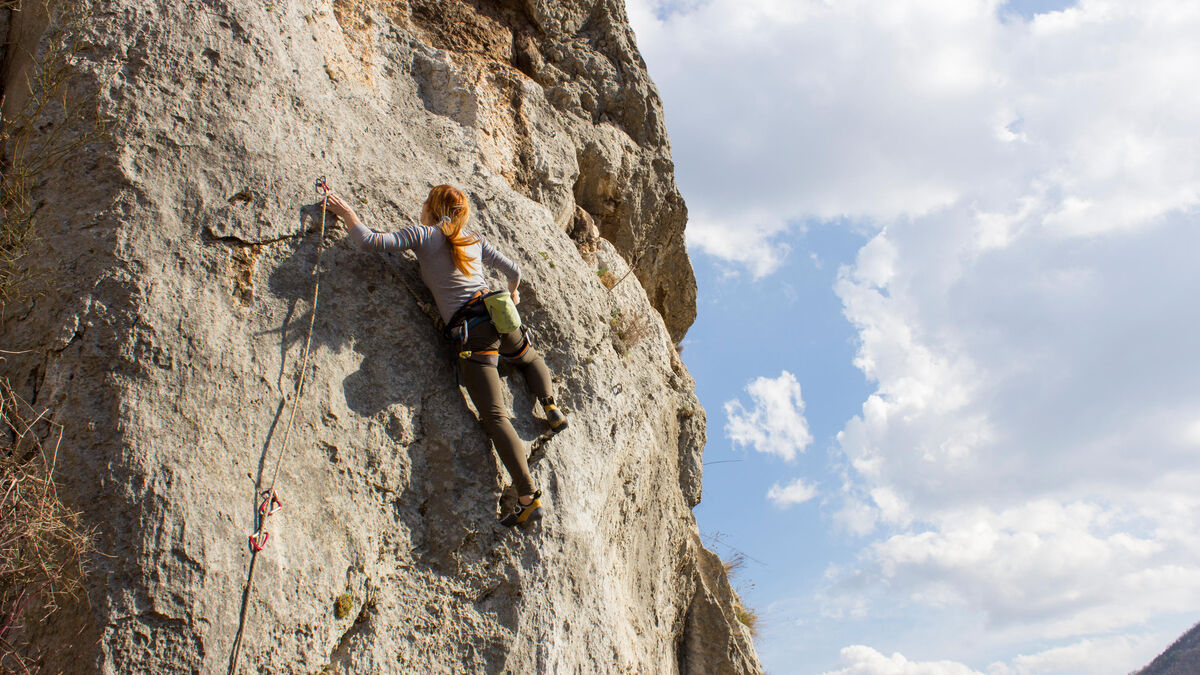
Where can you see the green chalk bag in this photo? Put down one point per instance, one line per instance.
(503, 312)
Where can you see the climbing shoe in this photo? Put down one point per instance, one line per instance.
(555, 418)
(525, 514)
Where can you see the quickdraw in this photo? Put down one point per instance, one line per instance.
(270, 506)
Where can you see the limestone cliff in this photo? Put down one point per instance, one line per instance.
(176, 254)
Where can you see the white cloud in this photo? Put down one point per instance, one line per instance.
(1089, 656)
(863, 660)
(748, 243)
(1050, 380)
(795, 492)
(857, 517)
(810, 109)
(1066, 569)
(1085, 657)
(776, 424)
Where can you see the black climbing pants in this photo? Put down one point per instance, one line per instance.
(482, 381)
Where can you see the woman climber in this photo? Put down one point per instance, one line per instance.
(448, 254)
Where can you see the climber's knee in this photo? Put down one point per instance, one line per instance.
(494, 417)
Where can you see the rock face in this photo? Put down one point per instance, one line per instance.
(177, 250)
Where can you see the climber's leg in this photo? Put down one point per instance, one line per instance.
(515, 348)
(483, 384)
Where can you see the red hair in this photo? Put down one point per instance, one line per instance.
(450, 210)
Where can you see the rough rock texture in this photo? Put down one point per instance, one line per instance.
(177, 252)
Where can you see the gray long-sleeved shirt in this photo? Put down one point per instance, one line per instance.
(450, 288)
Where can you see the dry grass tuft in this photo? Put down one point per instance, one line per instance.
(748, 617)
(39, 136)
(607, 277)
(735, 564)
(628, 330)
(44, 545)
(343, 605)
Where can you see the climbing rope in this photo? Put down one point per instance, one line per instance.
(270, 503)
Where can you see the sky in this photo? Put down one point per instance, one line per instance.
(947, 318)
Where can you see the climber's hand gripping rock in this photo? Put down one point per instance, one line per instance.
(338, 207)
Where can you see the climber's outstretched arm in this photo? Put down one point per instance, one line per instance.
(366, 239)
(494, 257)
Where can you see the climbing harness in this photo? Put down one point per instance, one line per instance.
(458, 330)
(496, 307)
(271, 503)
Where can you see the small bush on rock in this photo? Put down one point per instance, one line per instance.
(343, 605)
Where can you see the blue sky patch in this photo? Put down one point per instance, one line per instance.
(1027, 9)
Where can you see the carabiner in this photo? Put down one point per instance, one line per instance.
(258, 540)
(270, 504)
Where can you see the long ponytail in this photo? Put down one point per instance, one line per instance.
(450, 210)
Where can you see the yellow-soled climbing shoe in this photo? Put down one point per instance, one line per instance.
(526, 513)
(555, 418)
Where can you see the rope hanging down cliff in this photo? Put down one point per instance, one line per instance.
(270, 500)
